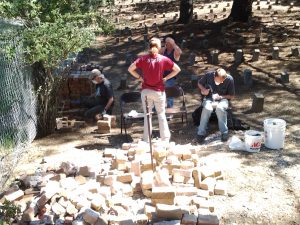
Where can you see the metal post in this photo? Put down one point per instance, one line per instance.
(149, 132)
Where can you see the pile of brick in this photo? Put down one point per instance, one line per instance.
(123, 189)
(77, 84)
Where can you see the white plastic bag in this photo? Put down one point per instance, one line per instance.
(133, 113)
(236, 144)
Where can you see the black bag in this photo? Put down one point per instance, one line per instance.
(196, 115)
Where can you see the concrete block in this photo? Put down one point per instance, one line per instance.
(135, 168)
(58, 209)
(127, 190)
(125, 178)
(147, 193)
(189, 219)
(257, 102)
(159, 153)
(112, 120)
(214, 57)
(49, 190)
(171, 167)
(69, 183)
(14, 195)
(183, 200)
(126, 146)
(110, 152)
(295, 51)
(163, 192)
(197, 177)
(92, 186)
(203, 203)
(97, 202)
(28, 214)
(221, 188)
(68, 168)
(208, 184)
(58, 177)
(181, 175)
(275, 53)
(186, 191)
(82, 202)
(248, 81)
(147, 165)
(187, 165)
(149, 210)
(172, 222)
(161, 178)
(207, 172)
(208, 220)
(141, 219)
(239, 56)
(147, 180)
(90, 216)
(80, 179)
(165, 201)
(71, 209)
(284, 77)
(84, 171)
(203, 193)
(109, 180)
(105, 191)
(169, 211)
(103, 126)
(63, 202)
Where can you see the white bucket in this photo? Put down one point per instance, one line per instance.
(274, 133)
(253, 140)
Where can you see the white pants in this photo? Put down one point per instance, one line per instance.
(157, 99)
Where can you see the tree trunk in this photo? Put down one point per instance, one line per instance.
(241, 10)
(46, 89)
(186, 11)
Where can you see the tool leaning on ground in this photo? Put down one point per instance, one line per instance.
(149, 131)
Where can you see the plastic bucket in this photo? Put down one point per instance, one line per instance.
(274, 133)
(253, 140)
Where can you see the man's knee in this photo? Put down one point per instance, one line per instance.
(208, 108)
(220, 110)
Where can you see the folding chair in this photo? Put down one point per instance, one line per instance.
(177, 92)
(130, 97)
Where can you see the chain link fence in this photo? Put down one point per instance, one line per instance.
(17, 103)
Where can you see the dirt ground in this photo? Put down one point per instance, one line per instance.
(264, 186)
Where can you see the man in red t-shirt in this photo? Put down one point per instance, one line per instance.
(153, 66)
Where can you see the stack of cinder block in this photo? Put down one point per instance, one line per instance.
(124, 189)
(106, 123)
(65, 122)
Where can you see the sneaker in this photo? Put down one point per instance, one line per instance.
(200, 138)
(224, 137)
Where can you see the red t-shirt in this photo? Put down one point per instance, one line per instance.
(153, 68)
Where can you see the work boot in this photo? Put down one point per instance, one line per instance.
(224, 137)
(200, 138)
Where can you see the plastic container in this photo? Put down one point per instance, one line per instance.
(253, 140)
(274, 130)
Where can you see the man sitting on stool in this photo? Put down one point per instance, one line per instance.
(101, 102)
(217, 87)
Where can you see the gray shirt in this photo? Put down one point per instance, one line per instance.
(225, 88)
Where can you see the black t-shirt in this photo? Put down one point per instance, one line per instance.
(103, 92)
(225, 88)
